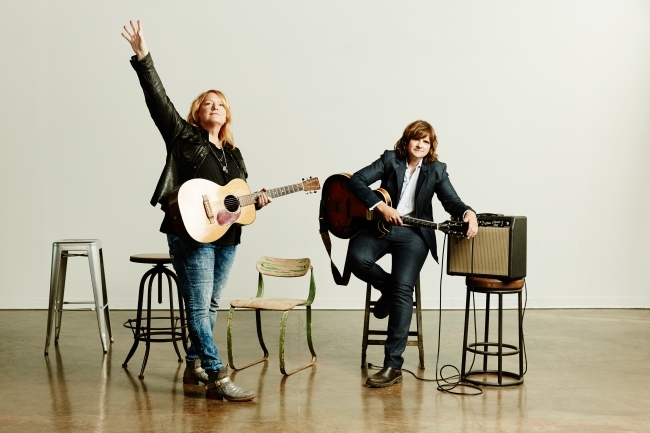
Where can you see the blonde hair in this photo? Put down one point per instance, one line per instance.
(415, 131)
(225, 134)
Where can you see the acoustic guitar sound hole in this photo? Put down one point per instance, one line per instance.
(231, 203)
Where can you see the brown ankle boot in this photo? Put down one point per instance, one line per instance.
(194, 374)
(220, 386)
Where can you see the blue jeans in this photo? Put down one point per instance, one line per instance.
(202, 275)
(408, 251)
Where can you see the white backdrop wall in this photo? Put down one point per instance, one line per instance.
(542, 109)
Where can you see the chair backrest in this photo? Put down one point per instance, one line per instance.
(276, 267)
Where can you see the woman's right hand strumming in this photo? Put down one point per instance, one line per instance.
(135, 36)
(390, 215)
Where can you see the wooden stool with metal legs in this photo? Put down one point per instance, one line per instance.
(417, 303)
(491, 286)
(177, 329)
(275, 267)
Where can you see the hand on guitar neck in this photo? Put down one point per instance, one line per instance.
(262, 199)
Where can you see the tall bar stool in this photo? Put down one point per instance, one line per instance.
(61, 251)
(418, 341)
(491, 286)
(159, 334)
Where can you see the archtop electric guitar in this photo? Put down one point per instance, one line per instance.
(345, 215)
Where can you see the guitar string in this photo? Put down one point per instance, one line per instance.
(284, 190)
(415, 222)
(245, 198)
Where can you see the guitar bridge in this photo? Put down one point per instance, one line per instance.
(208, 209)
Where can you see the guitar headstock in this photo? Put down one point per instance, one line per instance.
(454, 228)
(311, 185)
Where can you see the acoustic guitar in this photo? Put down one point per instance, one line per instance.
(203, 211)
(345, 215)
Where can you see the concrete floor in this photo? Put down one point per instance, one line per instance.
(588, 371)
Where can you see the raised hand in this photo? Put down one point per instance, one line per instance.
(135, 37)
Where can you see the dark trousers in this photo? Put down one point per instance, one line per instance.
(408, 251)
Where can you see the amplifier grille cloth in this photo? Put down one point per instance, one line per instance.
(491, 252)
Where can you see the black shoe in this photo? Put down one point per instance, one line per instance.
(381, 310)
(385, 377)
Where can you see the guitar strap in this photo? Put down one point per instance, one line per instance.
(341, 280)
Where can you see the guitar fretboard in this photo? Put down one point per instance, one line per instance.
(249, 199)
(446, 227)
(376, 216)
(419, 223)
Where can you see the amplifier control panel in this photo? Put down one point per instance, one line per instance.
(494, 223)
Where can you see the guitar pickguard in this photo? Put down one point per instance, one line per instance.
(225, 218)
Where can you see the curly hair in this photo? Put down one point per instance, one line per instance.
(415, 131)
(225, 134)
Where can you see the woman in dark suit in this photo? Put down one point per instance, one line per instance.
(411, 174)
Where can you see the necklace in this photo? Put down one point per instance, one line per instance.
(224, 164)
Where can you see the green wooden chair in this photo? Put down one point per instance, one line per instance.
(275, 267)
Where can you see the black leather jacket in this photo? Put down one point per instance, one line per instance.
(187, 145)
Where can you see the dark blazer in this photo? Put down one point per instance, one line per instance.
(433, 179)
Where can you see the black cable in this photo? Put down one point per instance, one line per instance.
(448, 385)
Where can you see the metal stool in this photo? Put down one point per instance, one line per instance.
(61, 251)
(491, 286)
(174, 332)
(366, 332)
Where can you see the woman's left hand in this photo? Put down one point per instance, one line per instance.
(470, 217)
(263, 199)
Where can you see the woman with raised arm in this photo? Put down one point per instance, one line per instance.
(201, 146)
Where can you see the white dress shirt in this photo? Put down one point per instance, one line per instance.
(406, 205)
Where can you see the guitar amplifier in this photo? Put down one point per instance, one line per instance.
(497, 251)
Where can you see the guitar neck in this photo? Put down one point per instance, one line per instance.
(420, 223)
(249, 199)
(416, 222)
